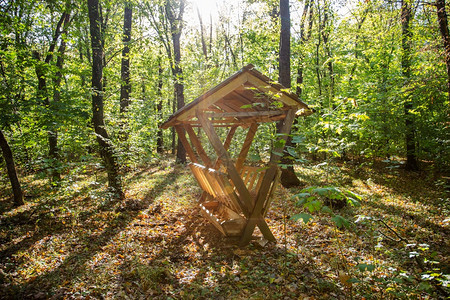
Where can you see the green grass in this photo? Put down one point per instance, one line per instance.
(79, 241)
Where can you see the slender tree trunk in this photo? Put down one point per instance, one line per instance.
(53, 133)
(411, 161)
(41, 74)
(106, 147)
(12, 174)
(125, 87)
(179, 92)
(176, 26)
(443, 27)
(285, 45)
(159, 106)
(288, 177)
(304, 38)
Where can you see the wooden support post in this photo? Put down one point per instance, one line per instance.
(226, 145)
(246, 146)
(244, 194)
(185, 142)
(198, 146)
(269, 177)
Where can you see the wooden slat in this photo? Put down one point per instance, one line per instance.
(201, 179)
(271, 192)
(269, 176)
(267, 87)
(262, 119)
(185, 142)
(198, 146)
(246, 146)
(251, 183)
(210, 99)
(244, 195)
(243, 114)
(217, 163)
(229, 191)
(212, 218)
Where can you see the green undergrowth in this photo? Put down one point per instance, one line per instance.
(78, 241)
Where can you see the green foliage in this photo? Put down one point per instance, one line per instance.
(314, 198)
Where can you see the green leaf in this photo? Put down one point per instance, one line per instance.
(297, 139)
(279, 143)
(340, 221)
(327, 210)
(247, 106)
(313, 205)
(255, 157)
(302, 216)
(302, 195)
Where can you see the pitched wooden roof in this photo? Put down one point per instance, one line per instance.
(246, 97)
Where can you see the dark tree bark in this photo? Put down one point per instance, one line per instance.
(12, 174)
(159, 106)
(125, 87)
(106, 147)
(288, 177)
(406, 15)
(285, 45)
(443, 28)
(176, 26)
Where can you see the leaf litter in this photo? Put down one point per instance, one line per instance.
(79, 242)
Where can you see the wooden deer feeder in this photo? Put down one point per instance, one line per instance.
(236, 197)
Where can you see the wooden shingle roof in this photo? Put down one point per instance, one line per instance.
(246, 97)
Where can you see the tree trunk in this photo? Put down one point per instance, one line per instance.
(53, 132)
(304, 38)
(125, 86)
(106, 147)
(42, 92)
(443, 27)
(12, 174)
(285, 45)
(176, 26)
(159, 106)
(288, 177)
(411, 161)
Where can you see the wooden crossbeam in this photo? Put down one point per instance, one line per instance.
(243, 114)
(256, 217)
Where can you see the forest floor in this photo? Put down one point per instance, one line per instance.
(78, 242)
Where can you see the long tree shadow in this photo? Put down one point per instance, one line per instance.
(74, 265)
(38, 216)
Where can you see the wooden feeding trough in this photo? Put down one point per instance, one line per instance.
(236, 197)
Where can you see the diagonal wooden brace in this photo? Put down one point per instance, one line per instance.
(256, 215)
